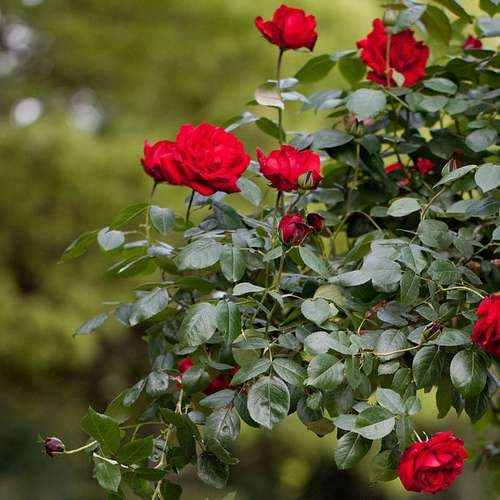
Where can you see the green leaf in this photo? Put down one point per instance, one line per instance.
(374, 423)
(232, 263)
(223, 426)
(434, 103)
(451, 337)
(157, 384)
(427, 366)
(312, 261)
(127, 214)
(211, 470)
(132, 395)
(403, 206)
(412, 257)
(366, 103)
(227, 217)
(290, 371)
(437, 24)
(489, 26)
(250, 191)
(185, 430)
(108, 475)
(273, 254)
(135, 451)
(79, 246)
(389, 341)
(317, 311)
(91, 325)
(315, 69)
(110, 240)
(487, 177)
(444, 272)
(228, 320)
(383, 466)
(163, 219)
(328, 138)
(454, 7)
(244, 288)
(268, 94)
(456, 174)
(410, 287)
(325, 372)
(442, 85)
(268, 401)
(482, 139)
(390, 400)
(170, 491)
(409, 17)
(468, 373)
(352, 69)
(247, 372)
(382, 271)
(103, 429)
(477, 406)
(434, 234)
(270, 128)
(148, 306)
(198, 325)
(199, 254)
(350, 449)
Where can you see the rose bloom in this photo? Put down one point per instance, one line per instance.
(471, 42)
(289, 169)
(293, 229)
(432, 465)
(289, 28)
(424, 165)
(151, 161)
(205, 158)
(393, 167)
(486, 333)
(316, 221)
(406, 56)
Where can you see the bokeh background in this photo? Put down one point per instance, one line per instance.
(83, 83)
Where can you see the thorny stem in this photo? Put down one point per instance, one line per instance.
(190, 203)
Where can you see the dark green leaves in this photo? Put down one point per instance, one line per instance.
(200, 254)
(108, 475)
(427, 366)
(366, 103)
(315, 69)
(403, 206)
(487, 177)
(350, 449)
(312, 261)
(148, 306)
(468, 373)
(163, 219)
(290, 371)
(442, 85)
(325, 372)
(317, 311)
(374, 423)
(79, 246)
(390, 400)
(228, 320)
(91, 325)
(268, 401)
(211, 470)
(103, 429)
(198, 325)
(136, 451)
(482, 139)
(252, 370)
(232, 263)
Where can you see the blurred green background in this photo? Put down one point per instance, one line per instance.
(83, 83)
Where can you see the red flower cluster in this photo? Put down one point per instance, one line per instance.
(205, 158)
(471, 42)
(289, 169)
(218, 383)
(486, 332)
(294, 229)
(406, 56)
(424, 165)
(289, 28)
(432, 465)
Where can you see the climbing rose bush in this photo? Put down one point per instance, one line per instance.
(353, 269)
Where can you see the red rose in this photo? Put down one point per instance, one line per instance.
(221, 382)
(486, 332)
(424, 165)
(289, 29)
(185, 364)
(393, 167)
(471, 42)
(432, 465)
(289, 169)
(316, 221)
(406, 56)
(152, 156)
(205, 158)
(293, 229)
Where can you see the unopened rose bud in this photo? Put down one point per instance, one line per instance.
(293, 229)
(435, 327)
(306, 180)
(53, 446)
(316, 221)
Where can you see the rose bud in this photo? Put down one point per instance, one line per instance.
(486, 333)
(432, 465)
(406, 56)
(205, 158)
(53, 446)
(471, 42)
(289, 29)
(217, 384)
(316, 221)
(424, 165)
(151, 161)
(393, 167)
(289, 169)
(293, 229)
(185, 364)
